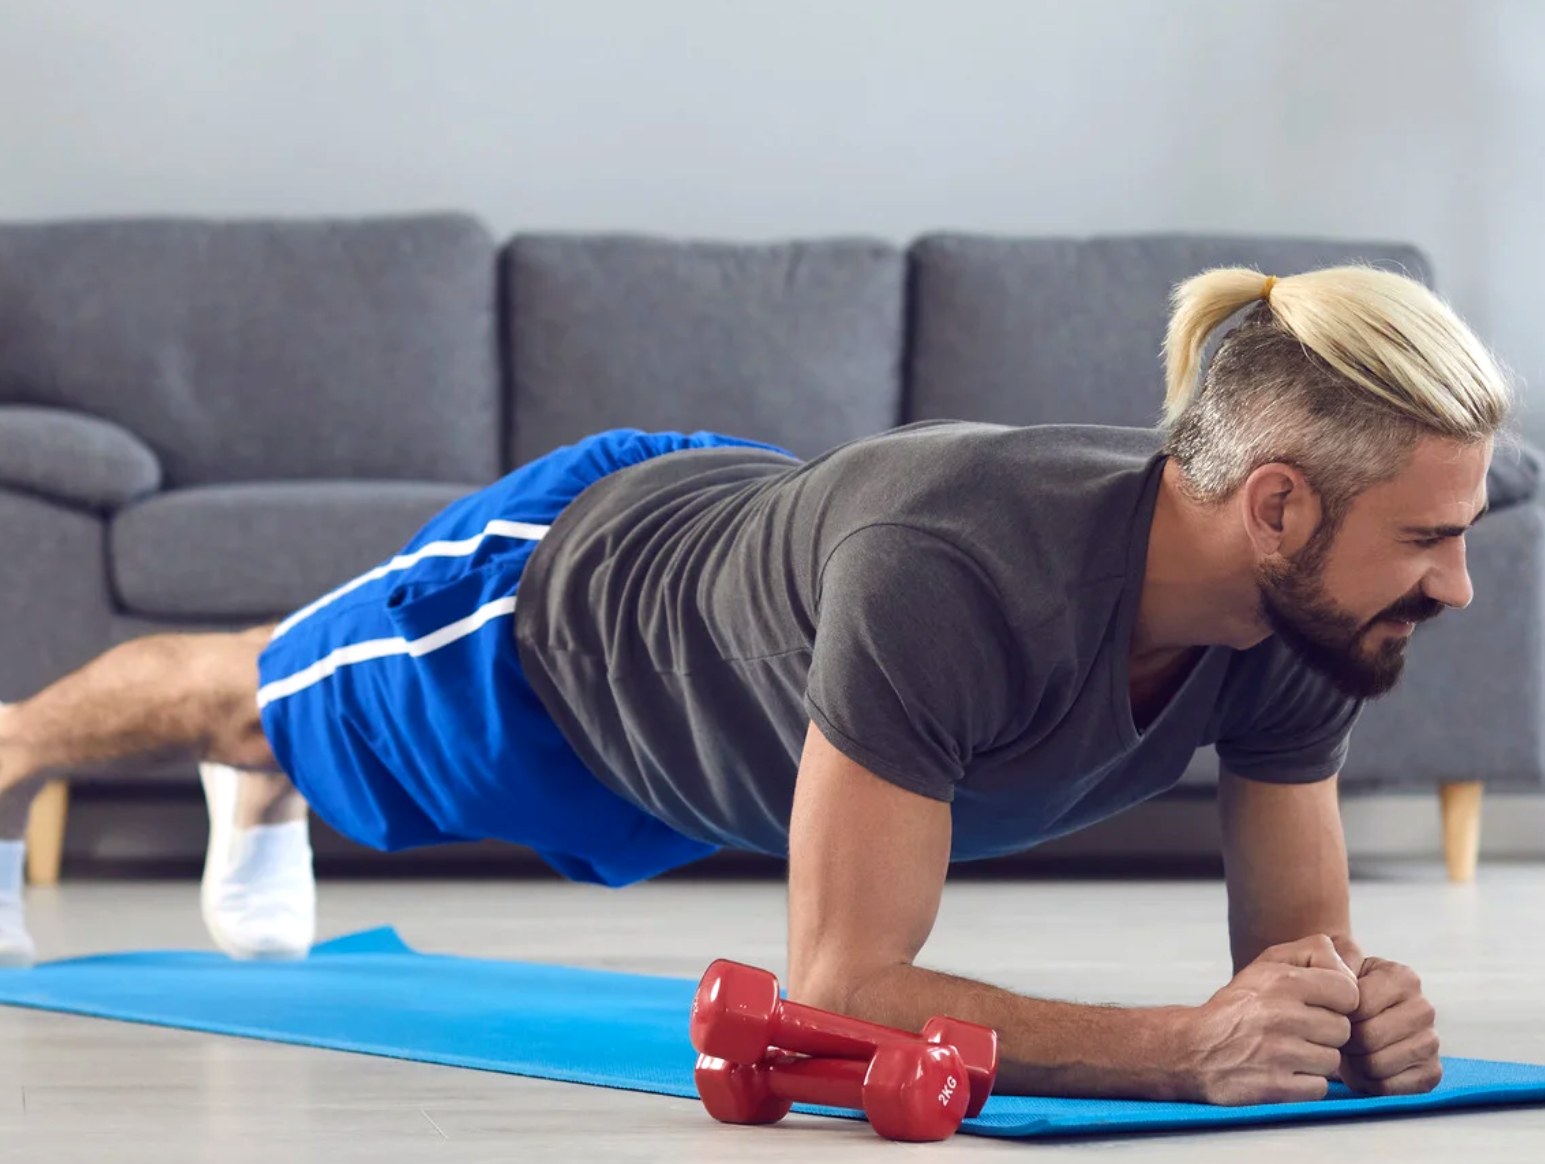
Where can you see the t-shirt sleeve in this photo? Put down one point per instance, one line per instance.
(1297, 728)
(913, 666)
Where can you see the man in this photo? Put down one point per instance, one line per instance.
(941, 643)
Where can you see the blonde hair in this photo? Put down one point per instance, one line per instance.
(1339, 371)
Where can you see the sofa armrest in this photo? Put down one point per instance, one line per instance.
(1514, 477)
(73, 458)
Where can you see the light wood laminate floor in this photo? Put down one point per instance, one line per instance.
(74, 1089)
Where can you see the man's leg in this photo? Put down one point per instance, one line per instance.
(175, 697)
(192, 696)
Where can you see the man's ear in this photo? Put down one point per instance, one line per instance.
(1280, 510)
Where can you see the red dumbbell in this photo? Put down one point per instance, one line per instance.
(738, 1014)
(908, 1091)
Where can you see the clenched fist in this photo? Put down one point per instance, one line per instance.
(1393, 1048)
(1275, 1033)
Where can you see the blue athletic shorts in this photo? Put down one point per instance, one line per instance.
(398, 707)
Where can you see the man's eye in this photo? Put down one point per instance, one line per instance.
(1430, 543)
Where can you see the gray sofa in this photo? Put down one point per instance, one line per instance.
(206, 424)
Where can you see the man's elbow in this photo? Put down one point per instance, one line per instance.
(832, 988)
(840, 988)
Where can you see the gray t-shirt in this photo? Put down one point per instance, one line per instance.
(951, 603)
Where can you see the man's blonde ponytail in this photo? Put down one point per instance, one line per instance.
(1200, 305)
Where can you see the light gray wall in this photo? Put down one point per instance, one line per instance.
(1411, 119)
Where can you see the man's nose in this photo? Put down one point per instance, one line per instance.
(1449, 581)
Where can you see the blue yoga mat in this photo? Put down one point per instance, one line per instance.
(372, 994)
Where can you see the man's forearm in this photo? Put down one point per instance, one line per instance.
(1045, 1048)
(1250, 945)
(1286, 862)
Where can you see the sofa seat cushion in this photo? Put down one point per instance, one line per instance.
(260, 551)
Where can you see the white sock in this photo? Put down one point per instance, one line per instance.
(16, 948)
(259, 895)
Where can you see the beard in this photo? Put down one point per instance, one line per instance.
(1326, 638)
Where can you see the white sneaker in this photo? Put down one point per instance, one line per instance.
(16, 945)
(259, 893)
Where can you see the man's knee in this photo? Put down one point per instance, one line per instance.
(245, 747)
(236, 737)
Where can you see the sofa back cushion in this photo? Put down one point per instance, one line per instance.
(798, 344)
(256, 351)
(1069, 331)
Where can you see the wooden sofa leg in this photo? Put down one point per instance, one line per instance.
(45, 833)
(1461, 827)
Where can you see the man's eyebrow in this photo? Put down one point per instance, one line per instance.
(1445, 531)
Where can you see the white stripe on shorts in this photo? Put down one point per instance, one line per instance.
(383, 649)
(459, 549)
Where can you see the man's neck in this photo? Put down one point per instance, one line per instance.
(1199, 588)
